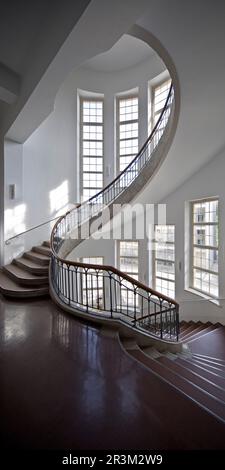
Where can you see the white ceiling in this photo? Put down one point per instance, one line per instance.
(126, 53)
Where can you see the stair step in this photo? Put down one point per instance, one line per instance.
(9, 288)
(198, 329)
(195, 378)
(151, 352)
(209, 367)
(44, 250)
(23, 277)
(199, 334)
(189, 331)
(30, 266)
(211, 375)
(46, 243)
(203, 356)
(170, 356)
(212, 362)
(206, 367)
(203, 398)
(37, 257)
(129, 343)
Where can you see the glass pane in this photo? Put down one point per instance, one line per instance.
(205, 212)
(206, 259)
(206, 235)
(165, 287)
(206, 282)
(128, 248)
(165, 269)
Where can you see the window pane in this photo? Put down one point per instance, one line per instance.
(165, 269)
(206, 259)
(128, 248)
(164, 259)
(160, 94)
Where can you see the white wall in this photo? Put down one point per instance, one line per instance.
(14, 209)
(50, 155)
(207, 182)
(47, 168)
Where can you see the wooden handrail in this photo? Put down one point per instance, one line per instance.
(104, 267)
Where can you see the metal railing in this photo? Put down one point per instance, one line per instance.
(104, 290)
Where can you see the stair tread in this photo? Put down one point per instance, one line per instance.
(37, 255)
(22, 273)
(34, 265)
(38, 258)
(7, 285)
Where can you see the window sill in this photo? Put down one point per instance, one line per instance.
(204, 296)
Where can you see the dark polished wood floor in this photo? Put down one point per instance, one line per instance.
(64, 384)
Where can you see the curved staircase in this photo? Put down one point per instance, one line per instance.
(116, 296)
(27, 276)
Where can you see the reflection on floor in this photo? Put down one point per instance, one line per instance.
(65, 384)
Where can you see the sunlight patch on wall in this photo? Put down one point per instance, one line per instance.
(15, 220)
(59, 198)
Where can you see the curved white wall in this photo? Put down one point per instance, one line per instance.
(50, 179)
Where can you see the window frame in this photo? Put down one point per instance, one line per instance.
(118, 99)
(130, 305)
(192, 246)
(155, 259)
(82, 123)
(153, 88)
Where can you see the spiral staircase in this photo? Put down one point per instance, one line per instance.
(100, 292)
(71, 283)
